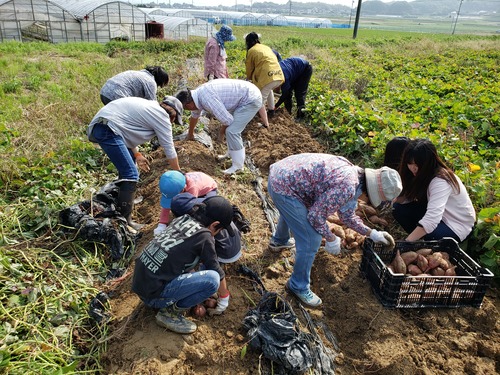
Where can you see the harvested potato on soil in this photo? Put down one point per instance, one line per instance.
(210, 303)
(199, 311)
(374, 219)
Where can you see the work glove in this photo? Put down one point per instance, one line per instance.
(210, 77)
(383, 238)
(222, 304)
(333, 247)
(159, 229)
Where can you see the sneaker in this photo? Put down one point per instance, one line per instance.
(308, 298)
(173, 319)
(277, 248)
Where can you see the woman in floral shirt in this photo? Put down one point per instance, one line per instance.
(306, 189)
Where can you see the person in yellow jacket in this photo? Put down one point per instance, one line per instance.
(264, 71)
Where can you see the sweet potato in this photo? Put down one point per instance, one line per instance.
(422, 262)
(199, 311)
(350, 235)
(398, 264)
(334, 219)
(434, 260)
(378, 220)
(438, 271)
(445, 255)
(409, 257)
(210, 303)
(444, 264)
(424, 252)
(338, 230)
(414, 270)
(366, 209)
(451, 271)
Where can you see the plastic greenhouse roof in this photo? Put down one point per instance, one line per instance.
(81, 8)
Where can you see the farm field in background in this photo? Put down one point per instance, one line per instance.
(363, 92)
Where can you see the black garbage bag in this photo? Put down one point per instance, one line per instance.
(98, 220)
(98, 308)
(273, 328)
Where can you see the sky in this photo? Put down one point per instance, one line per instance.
(248, 2)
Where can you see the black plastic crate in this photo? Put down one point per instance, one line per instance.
(467, 288)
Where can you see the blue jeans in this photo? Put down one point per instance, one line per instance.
(293, 217)
(408, 216)
(114, 146)
(187, 290)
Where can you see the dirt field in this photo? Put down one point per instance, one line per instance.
(372, 339)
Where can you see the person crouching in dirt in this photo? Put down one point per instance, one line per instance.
(172, 183)
(163, 277)
(233, 102)
(139, 83)
(306, 189)
(121, 126)
(298, 72)
(228, 248)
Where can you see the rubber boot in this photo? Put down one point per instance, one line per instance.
(238, 159)
(126, 202)
(172, 318)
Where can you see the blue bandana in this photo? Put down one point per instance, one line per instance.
(225, 34)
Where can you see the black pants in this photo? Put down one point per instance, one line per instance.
(301, 85)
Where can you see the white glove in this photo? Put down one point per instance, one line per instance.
(333, 247)
(210, 77)
(159, 229)
(222, 304)
(382, 237)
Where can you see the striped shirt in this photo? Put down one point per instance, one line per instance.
(222, 97)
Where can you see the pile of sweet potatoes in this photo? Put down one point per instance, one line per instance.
(422, 262)
(350, 238)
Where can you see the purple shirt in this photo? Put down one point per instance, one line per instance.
(325, 184)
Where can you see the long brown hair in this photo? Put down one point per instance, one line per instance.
(424, 154)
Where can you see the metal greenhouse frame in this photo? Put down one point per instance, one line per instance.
(179, 28)
(71, 20)
(37, 20)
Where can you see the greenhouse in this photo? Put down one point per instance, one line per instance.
(263, 19)
(37, 20)
(71, 20)
(214, 16)
(179, 28)
(279, 20)
(243, 19)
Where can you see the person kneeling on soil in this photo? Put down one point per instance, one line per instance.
(199, 184)
(164, 277)
(228, 248)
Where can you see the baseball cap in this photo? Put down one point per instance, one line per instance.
(219, 209)
(173, 102)
(171, 183)
(382, 185)
(183, 203)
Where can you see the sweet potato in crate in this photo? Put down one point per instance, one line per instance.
(393, 290)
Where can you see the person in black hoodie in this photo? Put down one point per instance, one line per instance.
(164, 278)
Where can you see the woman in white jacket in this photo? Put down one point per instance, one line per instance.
(434, 202)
